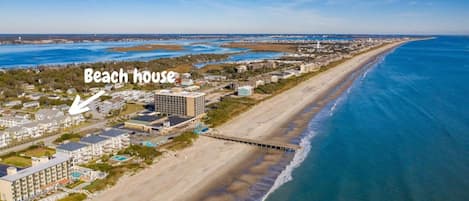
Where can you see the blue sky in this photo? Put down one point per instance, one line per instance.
(235, 16)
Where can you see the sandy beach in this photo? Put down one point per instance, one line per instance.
(186, 174)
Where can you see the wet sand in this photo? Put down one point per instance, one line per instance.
(218, 170)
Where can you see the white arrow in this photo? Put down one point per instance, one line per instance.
(77, 107)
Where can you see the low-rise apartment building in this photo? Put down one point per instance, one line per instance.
(78, 152)
(93, 146)
(96, 144)
(117, 139)
(12, 121)
(45, 123)
(5, 139)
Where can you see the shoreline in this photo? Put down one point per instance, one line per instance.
(292, 131)
(191, 172)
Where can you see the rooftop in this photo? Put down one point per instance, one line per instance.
(71, 146)
(180, 93)
(147, 118)
(113, 132)
(93, 139)
(175, 120)
(49, 113)
(57, 159)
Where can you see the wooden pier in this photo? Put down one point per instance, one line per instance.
(260, 143)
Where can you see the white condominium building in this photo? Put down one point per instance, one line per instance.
(27, 184)
(117, 139)
(78, 152)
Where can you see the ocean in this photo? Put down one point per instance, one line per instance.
(400, 132)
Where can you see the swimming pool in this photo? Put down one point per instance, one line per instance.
(120, 158)
(148, 144)
(76, 175)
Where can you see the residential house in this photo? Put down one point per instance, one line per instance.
(63, 107)
(31, 104)
(28, 87)
(35, 96)
(214, 77)
(71, 91)
(241, 68)
(108, 87)
(107, 106)
(12, 103)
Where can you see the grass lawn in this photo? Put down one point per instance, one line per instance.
(131, 108)
(39, 151)
(17, 161)
(222, 111)
(114, 173)
(75, 184)
(74, 197)
(180, 142)
(68, 136)
(147, 154)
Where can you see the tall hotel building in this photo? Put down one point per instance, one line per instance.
(182, 103)
(29, 183)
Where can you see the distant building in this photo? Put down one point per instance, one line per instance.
(12, 121)
(259, 83)
(35, 96)
(28, 87)
(5, 139)
(118, 85)
(245, 91)
(274, 78)
(63, 107)
(241, 68)
(43, 176)
(311, 67)
(71, 91)
(43, 114)
(180, 103)
(108, 87)
(214, 77)
(12, 103)
(187, 82)
(107, 106)
(31, 104)
(192, 88)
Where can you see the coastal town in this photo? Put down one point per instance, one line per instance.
(48, 154)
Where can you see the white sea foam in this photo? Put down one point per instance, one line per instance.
(286, 175)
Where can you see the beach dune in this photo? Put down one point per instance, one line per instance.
(192, 170)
